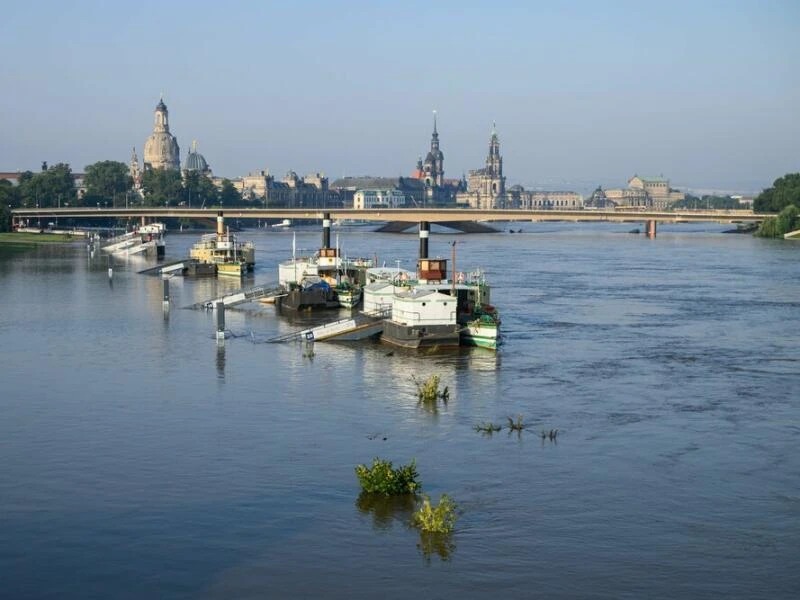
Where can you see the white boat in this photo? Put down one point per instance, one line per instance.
(422, 319)
(285, 224)
(324, 280)
(145, 240)
(478, 320)
(353, 223)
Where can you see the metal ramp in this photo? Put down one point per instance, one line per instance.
(242, 296)
(353, 328)
(177, 265)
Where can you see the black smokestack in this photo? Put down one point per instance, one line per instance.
(424, 232)
(326, 230)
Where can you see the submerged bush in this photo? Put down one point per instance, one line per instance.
(428, 392)
(381, 478)
(487, 427)
(519, 425)
(435, 519)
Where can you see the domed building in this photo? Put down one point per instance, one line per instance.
(161, 149)
(196, 162)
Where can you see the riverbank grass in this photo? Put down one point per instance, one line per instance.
(31, 239)
(15, 242)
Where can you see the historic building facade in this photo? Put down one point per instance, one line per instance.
(367, 199)
(657, 189)
(412, 189)
(486, 188)
(642, 192)
(161, 150)
(291, 191)
(431, 170)
(437, 191)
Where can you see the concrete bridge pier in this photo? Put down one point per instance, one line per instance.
(650, 227)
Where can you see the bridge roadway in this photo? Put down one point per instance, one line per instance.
(410, 215)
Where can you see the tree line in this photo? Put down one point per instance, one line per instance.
(783, 197)
(108, 183)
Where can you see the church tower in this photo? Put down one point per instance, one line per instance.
(134, 172)
(161, 149)
(495, 182)
(433, 167)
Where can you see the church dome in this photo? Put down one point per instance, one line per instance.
(161, 150)
(195, 161)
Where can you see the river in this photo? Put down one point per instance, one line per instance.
(139, 460)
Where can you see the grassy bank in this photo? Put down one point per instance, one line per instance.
(14, 242)
(15, 237)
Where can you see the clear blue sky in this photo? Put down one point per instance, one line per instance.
(706, 93)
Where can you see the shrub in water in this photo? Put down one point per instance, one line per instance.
(436, 519)
(381, 478)
(489, 427)
(428, 391)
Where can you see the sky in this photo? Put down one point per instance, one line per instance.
(583, 92)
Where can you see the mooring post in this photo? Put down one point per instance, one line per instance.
(166, 293)
(220, 321)
(110, 268)
(651, 229)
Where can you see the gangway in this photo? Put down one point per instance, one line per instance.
(171, 267)
(242, 296)
(353, 328)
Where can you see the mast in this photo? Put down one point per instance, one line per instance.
(453, 276)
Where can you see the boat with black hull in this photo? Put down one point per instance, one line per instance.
(322, 281)
(468, 294)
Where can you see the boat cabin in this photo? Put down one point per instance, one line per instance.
(432, 269)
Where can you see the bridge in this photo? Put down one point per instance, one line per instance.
(407, 215)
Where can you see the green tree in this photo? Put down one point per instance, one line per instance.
(26, 191)
(162, 187)
(50, 187)
(787, 220)
(107, 178)
(10, 195)
(55, 186)
(5, 218)
(229, 195)
(785, 191)
(199, 190)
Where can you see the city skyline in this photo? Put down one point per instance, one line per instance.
(582, 94)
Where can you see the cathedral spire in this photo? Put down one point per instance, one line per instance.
(434, 124)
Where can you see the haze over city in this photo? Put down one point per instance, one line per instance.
(583, 93)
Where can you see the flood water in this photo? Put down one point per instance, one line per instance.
(139, 460)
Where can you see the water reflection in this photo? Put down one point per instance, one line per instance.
(439, 544)
(385, 510)
(221, 360)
